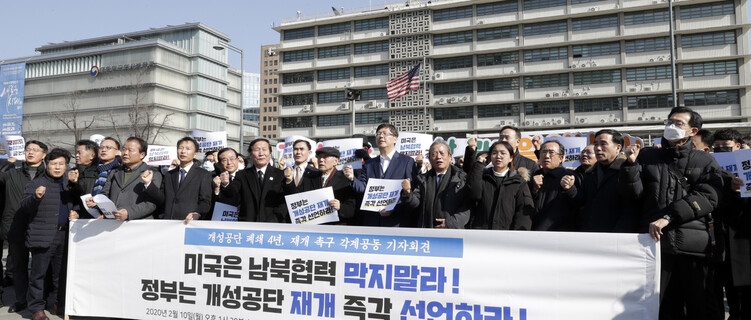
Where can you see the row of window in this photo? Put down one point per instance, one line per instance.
(692, 99)
(332, 97)
(336, 51)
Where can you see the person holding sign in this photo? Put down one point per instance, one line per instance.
(501, 192)
(13, 224)
(259, 186)
(388, 165)
(677, 188)
(185, 191)
(326, 176)
(124, 186)
(599, 189)
(555, 210)
(439, 194)
(48, 202)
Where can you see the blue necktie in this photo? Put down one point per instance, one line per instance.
(182, 176)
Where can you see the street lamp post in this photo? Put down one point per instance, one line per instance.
(220, 47)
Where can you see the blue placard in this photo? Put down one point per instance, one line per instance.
(11, 97)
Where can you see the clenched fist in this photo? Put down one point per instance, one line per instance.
(567, 182)
(472, 143)
(146, 177)
(537, 181)
(632, 152)
(289, 174)
(349, 173)
(73, 176)
(224, 178)
(335, 204)
(407, 186)
(40, 192)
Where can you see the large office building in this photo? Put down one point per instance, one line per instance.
(269, 91)
(159, 84)
(251, 103)
(558, 65)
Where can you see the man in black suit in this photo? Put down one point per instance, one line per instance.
(302, 173)
(259, 186)
(326, 176)
(228, 160)
(185, 192)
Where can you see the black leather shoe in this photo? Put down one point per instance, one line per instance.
(16, 307)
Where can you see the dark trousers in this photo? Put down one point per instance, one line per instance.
(687, 289)
(744, 302)
(41, 260)
(20, 255)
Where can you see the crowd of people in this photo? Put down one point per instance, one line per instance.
(676, 192)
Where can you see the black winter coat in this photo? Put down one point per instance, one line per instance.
(14, 182)
(501, 204)
(603, 208)
(43, 213)
(450, 202)
(733, 218)
(659, 192)
(555, 211)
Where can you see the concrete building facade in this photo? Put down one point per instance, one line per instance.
(563, 65)
(269, 92)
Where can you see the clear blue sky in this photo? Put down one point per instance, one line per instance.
(30, 24)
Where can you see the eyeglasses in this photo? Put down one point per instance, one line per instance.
(383, 134)
(35, 150)
(107, 148)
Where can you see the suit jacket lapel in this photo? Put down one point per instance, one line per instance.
(188, 177)
(253, 184)
(135, 177)
(392, 165)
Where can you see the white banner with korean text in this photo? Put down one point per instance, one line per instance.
(243, 270)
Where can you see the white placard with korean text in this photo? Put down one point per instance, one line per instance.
(381, 194)
(312, 207)
(347, 148)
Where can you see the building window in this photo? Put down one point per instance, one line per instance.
(297, 77)
(335, 28)
(330, 52)
(594, 77)
(584, 1)
(547, 107)
(299, 55)
(299, 33)
(371, 47)
(497, 58)
(372, 24)
(594, 22)
(333, 74)
(693, 99)
(604, 104)
(597, 49)
(648, 73)
(453, 113)
(538, 4)
(372, 117)
(498, 110)
(648, 16)
(296, 122)
(650, 102)
(707, 10)
(334, 120)
(545, 27)
(708, 39)
(497, 33)
(374, 94)
(372, 71)
(452, 38)
(648, 45)
(265, 63)
(546, 54)
(502, 84)
(331, 97)
(453, 88)
(297, 100)
(487, 9)
(710, 68)
(452, 13)
(546, 81)
(452, 63)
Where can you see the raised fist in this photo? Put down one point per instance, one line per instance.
(567, 182)
(349, 173)
(40, 192)
(147, 176)
(289, 174)
(407, 186)
(73, 176)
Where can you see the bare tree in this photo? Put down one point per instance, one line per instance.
(73, 118)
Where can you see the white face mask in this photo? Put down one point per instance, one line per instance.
(208, 166)
(673, 133)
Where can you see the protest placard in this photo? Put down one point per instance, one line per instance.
(726, 160)
(210, 141)
(160, 155)
(347, 148)
(98, 138)
(15, 147)
(224, 212)
(574, 147)
(743, 161)
(312, 207)
(381, 194)
(458, 146)
(413, 144)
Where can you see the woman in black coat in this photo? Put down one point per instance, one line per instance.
(503, 200)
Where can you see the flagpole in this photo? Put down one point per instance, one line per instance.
(425, 106)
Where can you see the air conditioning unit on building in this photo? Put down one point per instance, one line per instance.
(573, 66)
(465, 99)
(345, 106)
(565, 94)
(576, 94)
(349, 84)
(661, 59)
(439, 76)
(646, 89)
(583, 65)
(640, 118)
(480, 22)
(615, 120)
(526, 123)
(584, 93)
(441, 100)
(582, 120)
(556, 94)
(651, 60)
(512, 72)
(631, 89)
(371, 104)
(559, 121)
(594, 64)
(307, 108)
(379, 105)
(453, 99)
(548, 95)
